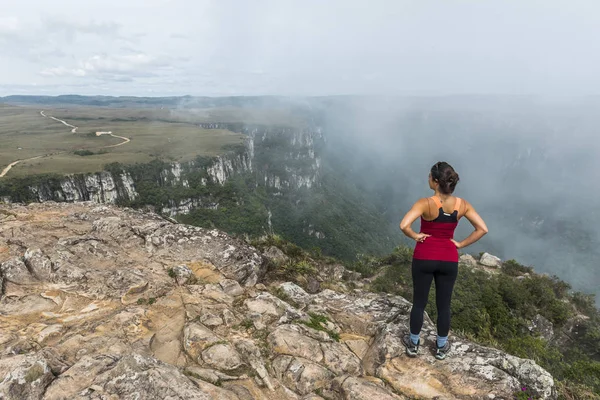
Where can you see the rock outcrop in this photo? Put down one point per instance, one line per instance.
(106, 303)
(490, 261)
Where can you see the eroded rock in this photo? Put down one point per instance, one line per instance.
(93, 314)
(222, 356)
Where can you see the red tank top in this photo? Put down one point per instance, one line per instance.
(438, 246)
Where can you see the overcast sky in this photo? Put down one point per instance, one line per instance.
(300, 47)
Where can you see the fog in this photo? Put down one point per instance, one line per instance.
(529, 165)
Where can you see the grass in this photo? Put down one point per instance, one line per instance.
(318, 322)
(24, 133)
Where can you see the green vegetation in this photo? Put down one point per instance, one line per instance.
(319, 322)
(496, 309)
(84, 153)
(278, 292)
(18, 188)
(524, 394)
(141, 301)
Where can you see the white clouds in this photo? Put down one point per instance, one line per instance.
(303, 47)
(62, 71)
(8, 25)
(111, 67)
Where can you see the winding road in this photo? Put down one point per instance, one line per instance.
(12, 164)
(125, 140)
(73, 130)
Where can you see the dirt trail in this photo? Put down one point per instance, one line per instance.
(125, 140)
(12, 164)
(74, 130)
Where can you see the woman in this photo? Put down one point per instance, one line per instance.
(436, 253)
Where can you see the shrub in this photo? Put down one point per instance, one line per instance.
(84, 153)
(513, 268)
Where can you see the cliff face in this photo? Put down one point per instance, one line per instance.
(99, 302)
(101, 187)
(283, 159)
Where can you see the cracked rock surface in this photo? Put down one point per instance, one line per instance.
(99, 302)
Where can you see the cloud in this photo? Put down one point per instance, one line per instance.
(122, 68)
(71, 29)
(62, 71)
(308, 48)
(9, 25)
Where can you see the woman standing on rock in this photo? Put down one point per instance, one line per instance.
(436, 253)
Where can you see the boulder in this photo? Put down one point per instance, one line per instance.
(491, 261)
(275, 256)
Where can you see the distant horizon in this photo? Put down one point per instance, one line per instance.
(461, 95)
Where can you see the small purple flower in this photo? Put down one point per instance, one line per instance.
(523, 389)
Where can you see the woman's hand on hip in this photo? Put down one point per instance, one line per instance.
(457, 244)
(421, 237)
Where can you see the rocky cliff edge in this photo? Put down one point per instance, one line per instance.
(106, 303)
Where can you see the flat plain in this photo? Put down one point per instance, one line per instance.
(45, 145)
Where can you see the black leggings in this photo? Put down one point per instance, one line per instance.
(423, 272)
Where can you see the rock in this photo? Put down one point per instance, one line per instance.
(15, 271)
(467, 259)
(78, 377)
(295, 292)
(246, 389)
(487, 370)
(300, 374)
(211, 320)
(208, 375)
(542, 327)
(182, 274)
(275, 256)
(214, 392)
(354, 388)
(39, 265)
(228, 317)
(490, 261)
(339, 359)
(286, 340)
(49, 333)
(196, 337)
(357, 344)
(222, 356)
(312, 397)
(24, 377)
(265, 308)
(251, 353)
(231, 287)
(134, 374)
(313, 285)
(333, 272)
(93, 287)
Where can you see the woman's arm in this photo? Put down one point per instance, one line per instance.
(415, 212)
(477, 222)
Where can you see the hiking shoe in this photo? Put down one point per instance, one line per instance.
(442, 352)
(411, 349)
